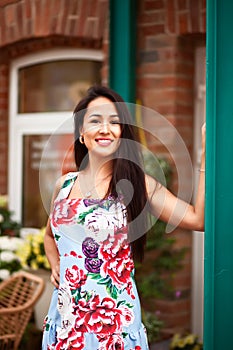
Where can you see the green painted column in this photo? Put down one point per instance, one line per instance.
(123, 48)
(218, 298)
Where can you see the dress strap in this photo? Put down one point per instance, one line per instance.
(67, 185)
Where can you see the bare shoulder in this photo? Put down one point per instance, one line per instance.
(58, 185)
(60, 181)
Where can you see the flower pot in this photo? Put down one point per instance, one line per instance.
(42, 306)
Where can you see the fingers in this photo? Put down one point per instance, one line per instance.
(56, 273)
(55, 276)
(54, 282)
(203, 131)
(204, 128)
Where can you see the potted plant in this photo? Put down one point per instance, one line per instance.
(9, 240)
(185, 342)
(8, 226)
(32, 257)
(31, 251)
(153, 325)
(10, 262)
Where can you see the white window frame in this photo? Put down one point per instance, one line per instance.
(21, 124)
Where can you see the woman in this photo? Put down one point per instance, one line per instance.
(97, 228)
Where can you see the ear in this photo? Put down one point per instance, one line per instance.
(80, 130)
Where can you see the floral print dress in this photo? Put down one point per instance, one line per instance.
(96, 306)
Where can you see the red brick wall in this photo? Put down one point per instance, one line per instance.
(3, 127)
(28, 19)
(168, 32)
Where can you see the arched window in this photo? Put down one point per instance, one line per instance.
(44, 89)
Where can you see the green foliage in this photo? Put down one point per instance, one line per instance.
(160, 267)
(9, 261)
(154, 276)
(153, 326)
(7, 225)
(159, 168)
(9, 232)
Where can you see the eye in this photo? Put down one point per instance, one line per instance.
(115, 121)
(94, 121)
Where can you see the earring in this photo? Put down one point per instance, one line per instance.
(81, 139)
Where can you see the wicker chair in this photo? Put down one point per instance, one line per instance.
(18, 295)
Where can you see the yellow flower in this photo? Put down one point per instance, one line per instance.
(181, 343)
(190, 339)
(31, 253)
(175, 340)
(197, 347)
(34, 265)
(3, 201)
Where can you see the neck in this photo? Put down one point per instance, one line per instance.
(98, 169)
(95, 178)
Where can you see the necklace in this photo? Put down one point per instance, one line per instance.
(89, 192)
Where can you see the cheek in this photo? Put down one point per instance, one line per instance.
(88, 131)
(118, 132)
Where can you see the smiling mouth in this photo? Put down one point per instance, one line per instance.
(104, 142)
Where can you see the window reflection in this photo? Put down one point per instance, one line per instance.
(45, 158)
(55, 86)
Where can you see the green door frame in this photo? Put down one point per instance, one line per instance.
(218, 294)
(122, 37)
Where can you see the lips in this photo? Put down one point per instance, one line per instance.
(104, 141)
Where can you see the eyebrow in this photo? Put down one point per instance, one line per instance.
(100, 115)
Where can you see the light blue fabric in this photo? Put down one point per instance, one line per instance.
(96, 306)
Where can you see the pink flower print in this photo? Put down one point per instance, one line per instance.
(74, 341)
(112, 342)
(75, 277)
(64, 212)
(102, 316)
(117, 262)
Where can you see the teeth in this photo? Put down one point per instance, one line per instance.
(104, 142)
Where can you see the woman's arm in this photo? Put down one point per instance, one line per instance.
(52, 255)
(49, 243)
(169, 208)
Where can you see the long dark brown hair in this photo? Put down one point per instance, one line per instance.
(127, 165)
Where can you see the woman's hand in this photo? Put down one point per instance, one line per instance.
(55, 275)
(52, 255)
(203, 133)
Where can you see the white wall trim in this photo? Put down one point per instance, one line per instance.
(38, 123)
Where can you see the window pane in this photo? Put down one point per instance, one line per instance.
(55, 86)
(45, 158)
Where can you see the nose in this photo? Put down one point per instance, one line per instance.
(104, 128)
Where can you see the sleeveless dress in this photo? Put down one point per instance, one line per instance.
(96, 306)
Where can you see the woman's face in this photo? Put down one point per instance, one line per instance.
(101, 127)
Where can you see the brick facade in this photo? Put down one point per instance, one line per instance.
(167, 33)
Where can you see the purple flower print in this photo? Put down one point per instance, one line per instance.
(90, 248)
(93, 265)
(102, 203)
